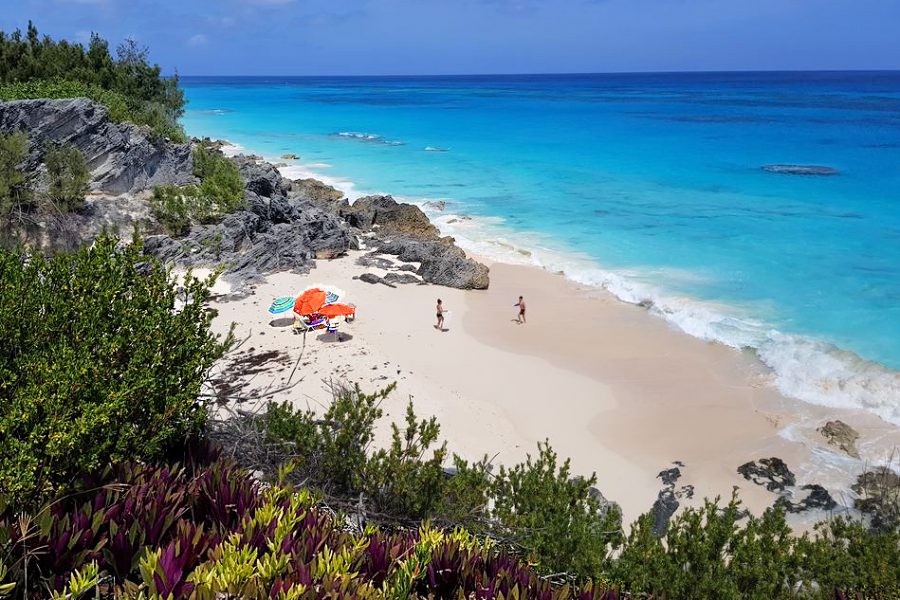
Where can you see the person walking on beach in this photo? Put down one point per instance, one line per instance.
(521, 305)
(440, 315)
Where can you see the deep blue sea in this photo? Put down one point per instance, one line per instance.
(647, 184)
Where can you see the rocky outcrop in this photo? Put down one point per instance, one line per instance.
(442, 262)
(321, 194)
(277, 231)
(800, 170)
(772, 473)
(122, 157)
(389, 217)
(841, 435)
(816, 498)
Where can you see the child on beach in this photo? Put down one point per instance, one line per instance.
(521, 305)
(440, 315)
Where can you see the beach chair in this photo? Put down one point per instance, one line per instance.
(301, 325)
(333, 328)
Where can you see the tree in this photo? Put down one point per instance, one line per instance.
(101, 360)
(68, 177)
(15, 189)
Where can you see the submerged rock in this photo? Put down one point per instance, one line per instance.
(841, 435)
(770, 472)
(800, 169)
(290, 156)
(122, 157)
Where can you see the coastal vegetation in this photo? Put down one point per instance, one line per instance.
(34, 66)
(114, 483)
(219, 193)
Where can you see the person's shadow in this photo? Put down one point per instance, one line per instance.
(442, 329)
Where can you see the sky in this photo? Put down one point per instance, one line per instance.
(419, 37)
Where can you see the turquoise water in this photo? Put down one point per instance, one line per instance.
(648, 185)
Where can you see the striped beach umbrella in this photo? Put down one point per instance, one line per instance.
(280, 305)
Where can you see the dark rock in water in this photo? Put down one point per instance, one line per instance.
(800, 169)
(290, 156)
(770, 472)
(436, 205)
(665, 506)
(841, 435)
(389, 217)
(817, 498)
(670, 476)
(122, 157)
(402, 278)
(879, 497)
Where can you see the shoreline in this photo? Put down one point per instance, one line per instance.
(654, 383)
(619, 394)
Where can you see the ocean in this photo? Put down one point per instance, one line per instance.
(649, 185)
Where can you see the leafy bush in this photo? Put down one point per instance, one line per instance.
(220, 180)
(172, 206)
(220, 192)
(15, 188)
(68, 177)
(554, 515)
(99, 362)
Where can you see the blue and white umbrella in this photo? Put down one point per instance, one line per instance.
(282, 305)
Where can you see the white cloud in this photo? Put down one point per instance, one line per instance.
(197, 39)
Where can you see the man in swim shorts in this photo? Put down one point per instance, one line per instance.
(521, 305)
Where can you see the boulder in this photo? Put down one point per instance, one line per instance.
(772, 472)
(841, 435)
(122, 157)
(442, 262)
(402, 278)
(320, 194)
(389, 217)
(290, 156)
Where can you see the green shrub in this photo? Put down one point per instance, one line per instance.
(68, 177)
(15, 187)
(98, 363)
(553, 515)
(220, 180)
(172, 206)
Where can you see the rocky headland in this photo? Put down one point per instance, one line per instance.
(282, 225)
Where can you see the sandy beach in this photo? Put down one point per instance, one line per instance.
(610, 386)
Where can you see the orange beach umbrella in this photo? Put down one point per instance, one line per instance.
(337, 310)
(309, 302)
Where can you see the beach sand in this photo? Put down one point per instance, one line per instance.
(610, 386)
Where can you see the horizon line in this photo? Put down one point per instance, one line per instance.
(569, 73)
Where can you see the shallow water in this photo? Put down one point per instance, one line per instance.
(649, 185)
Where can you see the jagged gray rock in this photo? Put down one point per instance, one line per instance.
(442, 262)
(321, 194)
(122, 157)
(261, 177)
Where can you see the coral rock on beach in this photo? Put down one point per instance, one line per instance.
(841, 435)
(772, 473)
(320, 194)
(122, 157)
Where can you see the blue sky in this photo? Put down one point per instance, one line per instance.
(363, 37)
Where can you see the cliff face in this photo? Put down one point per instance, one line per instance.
(123, 158)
